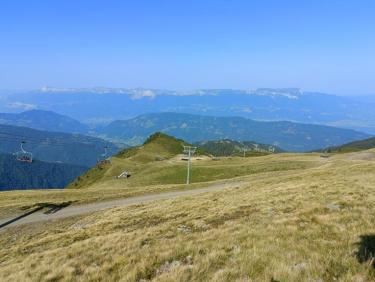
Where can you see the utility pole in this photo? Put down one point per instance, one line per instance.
(189, 150)
(244, 149)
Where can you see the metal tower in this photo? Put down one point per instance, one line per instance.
(189, 151)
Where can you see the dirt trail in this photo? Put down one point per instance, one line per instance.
(40, 215)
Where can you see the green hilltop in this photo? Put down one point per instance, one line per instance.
(159, 161)
(157, 148)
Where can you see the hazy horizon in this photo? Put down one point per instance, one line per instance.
(180, 91)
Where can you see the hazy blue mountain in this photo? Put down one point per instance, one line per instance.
(194, 128)
(44, 120)
(35, 175)
(227, 147)
(101, 105)
(54, 146)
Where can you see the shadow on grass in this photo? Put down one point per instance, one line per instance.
(20, 217)
(51, 209)
(366, 249)
(54, 208)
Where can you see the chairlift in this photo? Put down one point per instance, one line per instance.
(24, 156)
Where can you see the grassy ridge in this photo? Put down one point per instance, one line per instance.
(157, 147)
(354, 146)
(155, 162)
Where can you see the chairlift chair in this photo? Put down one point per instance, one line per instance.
(23, 155)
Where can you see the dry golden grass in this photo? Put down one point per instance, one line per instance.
(308, 224)
(152, 177)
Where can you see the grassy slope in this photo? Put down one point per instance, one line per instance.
(156, 148)
(354, 146)
(309, 224)
(153, 177)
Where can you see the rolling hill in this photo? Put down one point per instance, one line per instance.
(159, 161)
(228, 147)
(35, 175)
(157, 148)
(195, 128)
(44, 120)
(355, 146)
(54, 146)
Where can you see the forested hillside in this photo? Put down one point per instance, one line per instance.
(35, 175)
(55, 146)
(196, 128)
(228, 147)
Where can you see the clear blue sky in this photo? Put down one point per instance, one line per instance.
(316, 45)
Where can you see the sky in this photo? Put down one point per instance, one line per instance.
(326, 46)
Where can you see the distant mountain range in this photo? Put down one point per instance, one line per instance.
(229, 147)
(44, 120)
(102, 105)
(55, 146)
(195, 128)
(35, 175)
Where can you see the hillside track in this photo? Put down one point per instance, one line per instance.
(69, 211)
